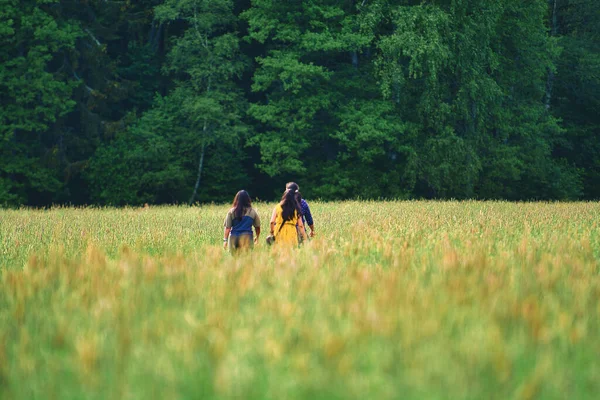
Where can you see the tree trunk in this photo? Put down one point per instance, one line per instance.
(154, 36)
(204, 41)
(200, 165)
(355, 59)
(13, 151)
(151, 34)
(550, 80)
(156, 43)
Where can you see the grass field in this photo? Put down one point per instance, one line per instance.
(411, 300)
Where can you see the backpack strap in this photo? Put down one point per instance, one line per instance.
(280, 226)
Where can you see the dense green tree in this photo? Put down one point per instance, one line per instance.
(172, 101)
(78, 68)
(205, 61)
(472, 75)
(198, 119)
(575, 95)
(35, 91)
(323, 117)
(118, 60)
(459, 111)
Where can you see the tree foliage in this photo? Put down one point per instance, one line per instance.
(170, 101)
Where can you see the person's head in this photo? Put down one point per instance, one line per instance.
(241, 203)
(288, 204)
(293, 186)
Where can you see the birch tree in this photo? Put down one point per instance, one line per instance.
(205, 61)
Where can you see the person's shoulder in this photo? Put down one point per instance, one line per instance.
(252, 212)
(303, 202)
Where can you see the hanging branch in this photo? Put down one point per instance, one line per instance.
(93, 37)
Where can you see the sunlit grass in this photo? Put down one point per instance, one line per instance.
(417, 300)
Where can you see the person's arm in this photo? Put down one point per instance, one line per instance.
(257, 229)
(226, 236)
(302, 230)
(227, 224)
(256, 224)
(273, 219)
(309, 218)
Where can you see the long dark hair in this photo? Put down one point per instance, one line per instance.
(241, 204)
(293, 186)
(288, 205)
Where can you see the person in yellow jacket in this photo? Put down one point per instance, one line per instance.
(286, 216)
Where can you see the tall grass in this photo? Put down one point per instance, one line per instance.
(416, 300)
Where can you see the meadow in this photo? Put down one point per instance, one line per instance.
(411, 300)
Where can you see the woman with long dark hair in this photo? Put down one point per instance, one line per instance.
(285, 218)
(305, 213)
(239, 222)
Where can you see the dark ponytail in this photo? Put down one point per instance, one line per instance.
(241, 204)
(289, 206)
(294, 188)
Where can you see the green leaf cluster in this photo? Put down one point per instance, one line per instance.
(172, 101)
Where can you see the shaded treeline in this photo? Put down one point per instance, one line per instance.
(174, 101)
